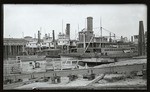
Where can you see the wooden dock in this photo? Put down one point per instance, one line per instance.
(123, 69)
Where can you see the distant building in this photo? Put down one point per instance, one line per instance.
(28, 38)
(135, 39)
(124, 39)
(13, 47)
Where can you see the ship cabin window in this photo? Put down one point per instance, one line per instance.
(68, 62)
(74, 62)
(30, 63)
(112, 50)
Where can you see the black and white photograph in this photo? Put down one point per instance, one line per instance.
(74, 46)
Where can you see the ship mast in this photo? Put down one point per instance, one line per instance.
(62, 26)
(100, 31)
(101, 26)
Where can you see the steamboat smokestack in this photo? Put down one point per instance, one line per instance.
(141, 39)
(121, 38)
(109, 37)
(53, 36)
(68, 30)
(39, 38)
(131, 38)
(89, 24)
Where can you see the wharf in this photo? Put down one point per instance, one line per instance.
(122, 67)
(82, 84)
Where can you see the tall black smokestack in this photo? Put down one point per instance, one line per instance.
(131, 38)
(53, 36)
(141, 39)
(110, 37)
(121, 38)
(68, 30)
(39, 38)
(89, 24)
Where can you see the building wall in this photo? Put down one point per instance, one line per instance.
(135, 39)
(32, 44)
(12, 47)
(10, 51)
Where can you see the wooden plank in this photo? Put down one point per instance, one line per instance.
(95, 80)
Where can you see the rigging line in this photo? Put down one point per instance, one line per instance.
(104, 29)
(96, 28)
(107, 30)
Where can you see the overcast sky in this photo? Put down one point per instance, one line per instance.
(123, 19)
